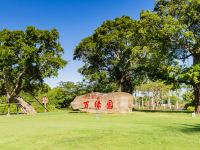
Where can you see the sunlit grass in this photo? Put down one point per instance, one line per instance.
(80, 131)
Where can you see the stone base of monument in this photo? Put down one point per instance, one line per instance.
(116, 102)
(102, 111)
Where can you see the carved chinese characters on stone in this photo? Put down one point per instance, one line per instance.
(97, 104)
(85, 104)
(117, 102)
(109, 104)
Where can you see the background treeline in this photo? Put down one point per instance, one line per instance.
(120, 55)
(148, 96)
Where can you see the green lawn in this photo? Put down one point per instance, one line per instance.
(80, 131)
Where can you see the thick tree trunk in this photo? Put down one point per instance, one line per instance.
(25, 107)
(125, 87)
(197, 97)
(196, 87)
(120, 88)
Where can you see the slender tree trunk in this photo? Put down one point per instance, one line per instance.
(169, 104)
(142, 103)
(197, 98)
(139, 104)
(8, 98)
(152, 103)
(149, 103)
(177, 106)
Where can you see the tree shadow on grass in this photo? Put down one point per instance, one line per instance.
(3, 114)
(189, 128)
(75, 112)
(164, 111)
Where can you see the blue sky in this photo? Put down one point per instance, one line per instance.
(74, 19)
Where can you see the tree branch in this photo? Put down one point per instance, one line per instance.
(184, 57)
(18, 82)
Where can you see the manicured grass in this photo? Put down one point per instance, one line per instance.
(80, 131)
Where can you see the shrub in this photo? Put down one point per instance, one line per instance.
(13, 108)
(40, 109)
(190, 108)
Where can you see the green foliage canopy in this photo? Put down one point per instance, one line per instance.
(111, 54)
(27, 57)
(184, 43)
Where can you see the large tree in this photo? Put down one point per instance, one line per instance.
(27, 57)
(111, 54)
(172, 35)
(184, 43)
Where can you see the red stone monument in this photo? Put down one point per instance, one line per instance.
(117, 102)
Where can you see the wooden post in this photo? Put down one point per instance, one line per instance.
(17, 108)
(45, 101)
(45, 106)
